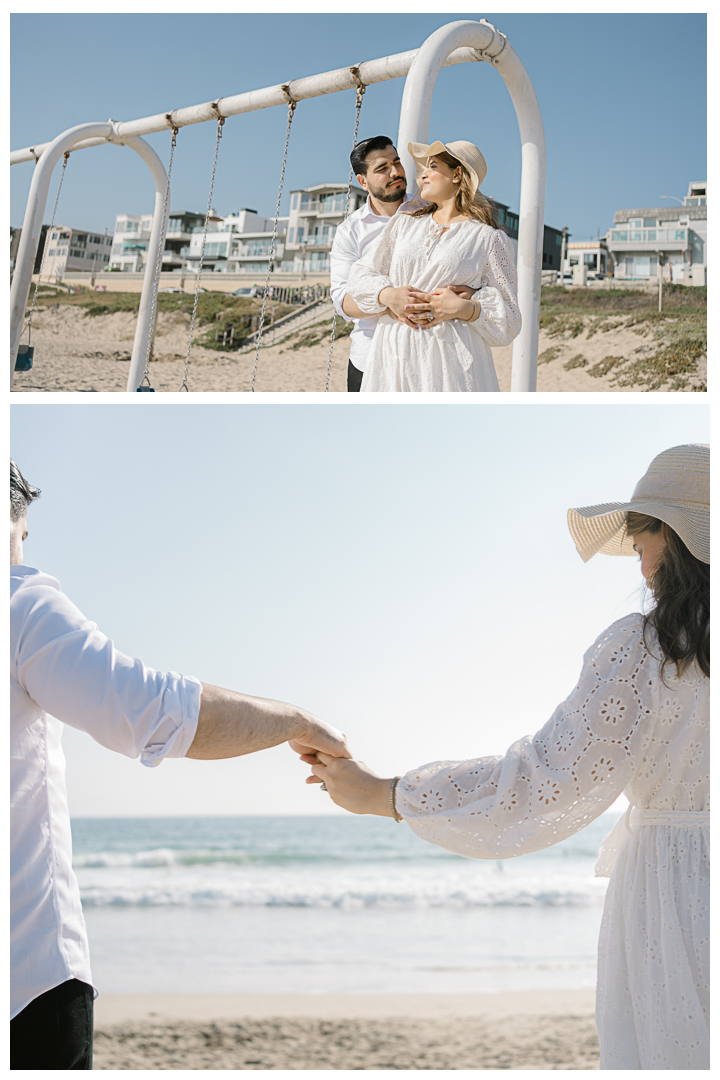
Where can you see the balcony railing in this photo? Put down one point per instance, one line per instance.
(648, 236)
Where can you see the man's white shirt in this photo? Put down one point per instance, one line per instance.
(353, 239)
(63, 670)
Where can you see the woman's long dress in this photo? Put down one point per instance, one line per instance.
(454, 355)
(623, 729)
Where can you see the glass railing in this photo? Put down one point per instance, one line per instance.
(320, 206)
(648, 236)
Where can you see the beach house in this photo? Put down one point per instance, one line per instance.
(669, 237)
(72, 250)
(315, 213)
(237, 243)
(592, 254)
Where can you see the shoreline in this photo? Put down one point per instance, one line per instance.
(124, 1008)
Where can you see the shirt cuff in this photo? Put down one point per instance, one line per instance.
(180, 709)
(338, 296)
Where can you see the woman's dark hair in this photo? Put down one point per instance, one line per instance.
(359, 155)
(680, 585)
(472, 203)
(21, 493)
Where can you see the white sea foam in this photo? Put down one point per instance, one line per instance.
(369, 888)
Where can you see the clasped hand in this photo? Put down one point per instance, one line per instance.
(421, 310)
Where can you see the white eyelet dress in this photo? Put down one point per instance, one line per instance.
(453, 355)
(623, 728)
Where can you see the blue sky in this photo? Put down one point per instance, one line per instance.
(404, 572)
(623, 101)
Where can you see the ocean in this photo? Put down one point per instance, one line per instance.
(330, 905)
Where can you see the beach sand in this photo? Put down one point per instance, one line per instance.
(524, 1030)
(79, 352)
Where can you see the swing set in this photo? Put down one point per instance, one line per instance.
(454, 43)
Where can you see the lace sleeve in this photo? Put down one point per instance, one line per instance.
(369, 275)
(499, 320)
(547, 787)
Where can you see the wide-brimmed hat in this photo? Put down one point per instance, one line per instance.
(465, 152)
(675, 489)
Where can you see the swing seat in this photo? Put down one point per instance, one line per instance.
(145, 390)
(24, 358)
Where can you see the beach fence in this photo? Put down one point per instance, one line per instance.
(464, 41)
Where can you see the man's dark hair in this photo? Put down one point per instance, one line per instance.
(361, 151)
(21, 493)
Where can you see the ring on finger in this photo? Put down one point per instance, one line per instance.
(323, 786)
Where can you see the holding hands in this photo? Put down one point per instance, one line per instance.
(351, 784)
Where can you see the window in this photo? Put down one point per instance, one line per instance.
(129, 227)
(51, 251)
(649, 223)
(295, 201)
(304, 202)
(216, 249)
(301, 234)
(637, 235)
(635, 223)
(291, 236)
(76, 253)
(54, 236)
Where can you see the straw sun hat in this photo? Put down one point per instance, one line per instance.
(465, 152)
(675, 489)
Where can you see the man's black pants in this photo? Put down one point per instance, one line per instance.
(354, 378)
(55, 1031)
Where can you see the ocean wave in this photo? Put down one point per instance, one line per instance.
(348, 895)
(174, 856)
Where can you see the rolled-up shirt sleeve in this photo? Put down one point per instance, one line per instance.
(74, 672)
(342, 256)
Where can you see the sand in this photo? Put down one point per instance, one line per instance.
(531, 1030)
(78, 352)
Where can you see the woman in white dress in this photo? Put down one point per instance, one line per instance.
(430, 338)
(637, 722)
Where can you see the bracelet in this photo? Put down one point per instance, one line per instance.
(476, 308)
(393, 807)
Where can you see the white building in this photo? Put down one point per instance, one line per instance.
(592, 254)
(678, 233)
(70, 250)
(315, 214)
(237, 243)
(130, 242)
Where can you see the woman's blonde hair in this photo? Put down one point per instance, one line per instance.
(471, 203)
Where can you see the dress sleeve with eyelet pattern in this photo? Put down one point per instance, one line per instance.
(550, 786)
(499, 321)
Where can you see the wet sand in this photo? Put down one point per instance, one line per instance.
(531, 1030)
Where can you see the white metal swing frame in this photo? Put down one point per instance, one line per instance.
(455, 43)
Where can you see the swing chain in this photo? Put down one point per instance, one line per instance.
(360, 90)
(158, 261)
(292, 105)
(221, 120)
(28, 324)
